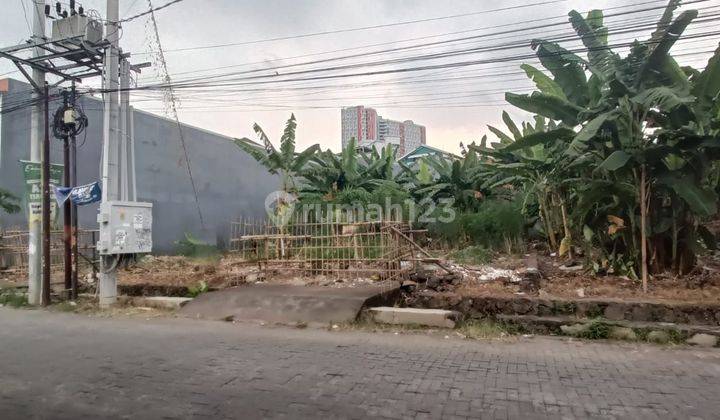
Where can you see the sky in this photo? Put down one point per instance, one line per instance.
(455, 104)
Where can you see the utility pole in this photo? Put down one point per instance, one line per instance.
(36, 135)
(73, 54)
(45, 176)
(67, 209)
(108, 273)
(124, 129)
(74, 209)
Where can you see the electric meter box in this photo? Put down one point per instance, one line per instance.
(125, 227)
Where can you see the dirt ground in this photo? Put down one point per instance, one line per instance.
(491, 279)
(498, 278)
(218, 273)
(702, 286)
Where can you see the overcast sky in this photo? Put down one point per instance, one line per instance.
(452, 109)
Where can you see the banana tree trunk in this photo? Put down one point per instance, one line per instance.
(643, 221)
(566, 228)
(549, 230)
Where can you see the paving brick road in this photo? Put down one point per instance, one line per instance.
(57, 365)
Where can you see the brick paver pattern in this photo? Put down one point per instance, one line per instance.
(58, 365)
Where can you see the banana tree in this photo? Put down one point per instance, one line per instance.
(286, 162)
(328, 174)
(531, 158)
(440, 179)
(644, 125)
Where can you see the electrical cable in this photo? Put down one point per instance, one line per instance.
(205, 47)
(149, 12)
(173, 107)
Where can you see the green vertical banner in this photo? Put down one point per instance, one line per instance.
(32, 198)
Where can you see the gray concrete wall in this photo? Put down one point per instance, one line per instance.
(229, 182)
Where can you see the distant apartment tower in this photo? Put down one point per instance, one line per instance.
(368, 128)
(360, 123)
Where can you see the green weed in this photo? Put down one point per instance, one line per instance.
(200, 288)
(484, 329)
(472, 255)
(12, 298)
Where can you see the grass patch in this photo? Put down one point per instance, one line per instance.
(472, 255)
(366, 323)
(195, 248)
(195, 291)
(13, 298)
(486, 328)
(65, 306)
(596, 331)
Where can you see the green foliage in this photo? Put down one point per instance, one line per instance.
(8, 202)
(193, 247)
(197, 290)
(597, 330)
(638, 117)
(473, 255)
(285, 162)
(13, 298)
(486, 329)
(493, 225)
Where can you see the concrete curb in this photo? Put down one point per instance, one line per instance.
(158, 302)
(427, 317)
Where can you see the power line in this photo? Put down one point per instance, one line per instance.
(27, 22)
(571, 35)
(364, 28)
(173, 107)
(253, 80)
(403, 40)
(149, 12)
(504, 59)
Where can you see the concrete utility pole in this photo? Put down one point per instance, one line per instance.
(37, 116)
(45, 171)
(110, 169)
(67, 209)
(73, 207)
(125, 135)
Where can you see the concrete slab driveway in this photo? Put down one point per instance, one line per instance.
(284, 303)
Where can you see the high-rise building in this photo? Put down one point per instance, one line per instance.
(360, 123)
(369, 129)
(414, 137)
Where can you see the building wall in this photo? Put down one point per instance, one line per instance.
(414, 136)
(229, 182)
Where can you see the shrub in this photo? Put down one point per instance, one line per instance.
(195, 291)
(496, 225)
(195, 248)
(12, 298)
(472, 255)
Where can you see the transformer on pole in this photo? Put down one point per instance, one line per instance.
(75, 51)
